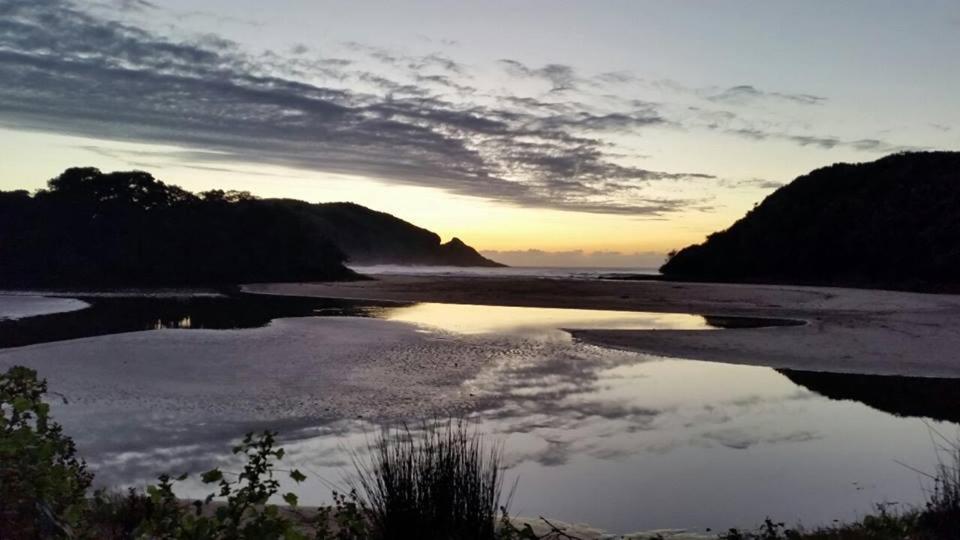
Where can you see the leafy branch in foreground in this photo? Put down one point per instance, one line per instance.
(42, 481)
(245, 511)
(44, 485)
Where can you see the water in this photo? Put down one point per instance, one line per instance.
(114, 314)
(618, 440)
(480, 319)
(573, 272)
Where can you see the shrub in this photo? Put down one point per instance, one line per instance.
(942, 510)
(442, 482)
(244, 511)
(117, 516)
(43, 483)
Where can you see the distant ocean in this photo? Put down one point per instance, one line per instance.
(518, 271)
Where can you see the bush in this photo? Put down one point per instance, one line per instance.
(245, 513)
(942, 511)
(43, 483)
(441, 483)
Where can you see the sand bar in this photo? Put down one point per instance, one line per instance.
(848, 330)
(14, 305)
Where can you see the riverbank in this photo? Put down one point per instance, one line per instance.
(14, 306)
(847, 331)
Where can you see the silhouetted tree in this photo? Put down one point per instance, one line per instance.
(894, 222)
(127, 228)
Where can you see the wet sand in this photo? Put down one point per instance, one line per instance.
(847, 330)
(310, 369)
(16, 305)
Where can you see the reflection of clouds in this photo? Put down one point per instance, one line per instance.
(140, 468)
(756, 399)
(555, 403)
(151, 451)
(556, 453)
(741, 439)
(620, 426)
(573, 414)
(553, 387)
(573, 401)
(565, 401)
(708, 414)
(547, 369)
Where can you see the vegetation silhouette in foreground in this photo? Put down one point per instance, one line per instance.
(441, 482)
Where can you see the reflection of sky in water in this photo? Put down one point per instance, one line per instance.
(478, 319)
(678, 443)
(661, 443)
(614, 439)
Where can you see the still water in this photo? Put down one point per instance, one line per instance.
(618, 440)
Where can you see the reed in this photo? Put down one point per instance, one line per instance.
(439, 481)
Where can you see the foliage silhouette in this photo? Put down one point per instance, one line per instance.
(894, 222)
(42, 481)
(127, 228)
(441, 482)
(94, 229)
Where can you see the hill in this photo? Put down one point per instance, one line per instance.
(122, 229)
(894, 222)
(370, 237)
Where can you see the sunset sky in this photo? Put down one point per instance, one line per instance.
(541, 132)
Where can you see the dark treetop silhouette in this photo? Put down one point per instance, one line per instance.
(129, 229)
(894, 222)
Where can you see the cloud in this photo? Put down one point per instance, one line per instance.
(437, 60)
(560, 76)
(415, 63)
(135, 5)
(745, 94)
(617, 77)
(445, 81)
(864, 145)
(748, 126)
(751, 183)
(825, 142)
(604, 122)
(68, 71)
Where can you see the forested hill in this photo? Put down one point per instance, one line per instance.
(126, 229)
(894, 222)
(371, 237)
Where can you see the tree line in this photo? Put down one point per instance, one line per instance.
(894, 222)
(95, 229)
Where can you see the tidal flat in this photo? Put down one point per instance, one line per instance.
(616, 439)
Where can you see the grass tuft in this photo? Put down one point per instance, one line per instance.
(439, 482)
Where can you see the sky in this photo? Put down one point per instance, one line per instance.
(542, 132)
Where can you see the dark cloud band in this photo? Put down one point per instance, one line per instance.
(66, 70)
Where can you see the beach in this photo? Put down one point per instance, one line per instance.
(847, 330)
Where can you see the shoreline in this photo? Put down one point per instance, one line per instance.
(877, 332)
